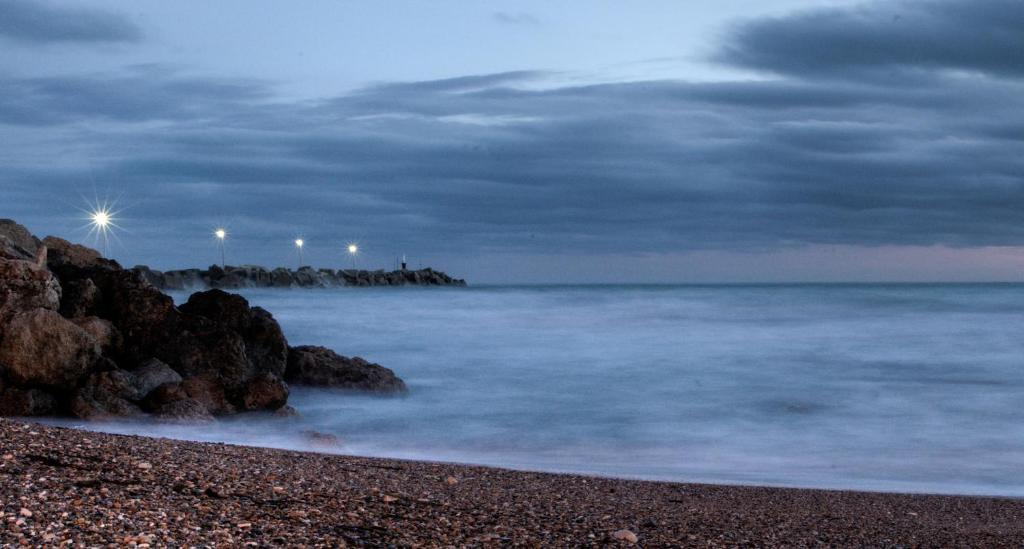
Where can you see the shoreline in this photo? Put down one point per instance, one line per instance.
(63, 483)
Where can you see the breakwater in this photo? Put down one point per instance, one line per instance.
(254, 276)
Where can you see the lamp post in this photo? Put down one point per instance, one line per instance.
(299, 243)
(101, 219)
(221, 234)
(353, 250)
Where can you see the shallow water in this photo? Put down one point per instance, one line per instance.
(881, 387)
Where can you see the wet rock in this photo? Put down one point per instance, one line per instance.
(15, 401)
(286, 411)
(265, 392)
(25, 286)
(152, 374)
(208, 393)
(16, 242)
(165, 393)
(41, 348)
(107, 395)
(322, 367)
(265, 345)
(186, 410)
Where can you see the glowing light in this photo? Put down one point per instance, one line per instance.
(220, 233)
(100, 219)
(299, 242)
(353, 249)
(102, 222)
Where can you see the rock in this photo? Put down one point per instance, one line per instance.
(16, 242)
(286, 411)
(317, 438)
(41, 348)
(80, 298)
(25, 286)
(451, 481)
(265, 392)
(103, 331)
(187, 410)
(152, 374)
(162, 395)
(65, 254)
(107, 395)
(208, 393)
(625, 535)
(15, 401)
(265, 346)
(322, 367)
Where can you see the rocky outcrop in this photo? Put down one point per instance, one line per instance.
(80, 335)
(250, 276)
(322, 367)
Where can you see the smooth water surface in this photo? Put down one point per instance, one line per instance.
(882, 387)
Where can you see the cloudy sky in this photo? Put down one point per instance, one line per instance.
(529, 141)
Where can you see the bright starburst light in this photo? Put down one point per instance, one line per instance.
(102, 222)
(353, 249)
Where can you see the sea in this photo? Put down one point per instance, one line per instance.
(883, 387)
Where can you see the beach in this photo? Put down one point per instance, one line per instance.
(61, 485)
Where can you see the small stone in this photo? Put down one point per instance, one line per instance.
(244, 524)
(625, 535)
(25, 513)
(145, 465)
(451, 481)
(389, 499)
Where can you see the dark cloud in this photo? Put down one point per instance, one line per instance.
(491, 164)
(886, 36)
(38, 22)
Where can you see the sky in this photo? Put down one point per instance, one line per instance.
(527, 142)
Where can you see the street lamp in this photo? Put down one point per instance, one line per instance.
(299, 243)
(221, 234)
(353, 250)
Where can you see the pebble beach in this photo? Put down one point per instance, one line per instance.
(66, 487)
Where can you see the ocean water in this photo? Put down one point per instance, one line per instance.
(915, 388)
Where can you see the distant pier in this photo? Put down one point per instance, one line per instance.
(254, 276)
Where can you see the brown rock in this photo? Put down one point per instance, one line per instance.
(16, 242)
(319, 366)
(625, 535)
(103, 331)
(15, 401)
(62, 253)
(107, 395)
(187, 410)
(152, 374)
(265, 392)
(42, 348)
(25, 286)
(208, 393)
(163, 394)
(81, 298)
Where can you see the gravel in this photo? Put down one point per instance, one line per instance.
(62, 485)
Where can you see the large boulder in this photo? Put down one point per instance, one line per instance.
(41, 348)
(103, 331)
(16, 242)
(79, 298)
(16, 401)
(62, 253)
(25, 286)
(265, 392)
(322, 367)
(265, 345)
(107, 395)
(152, 374)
